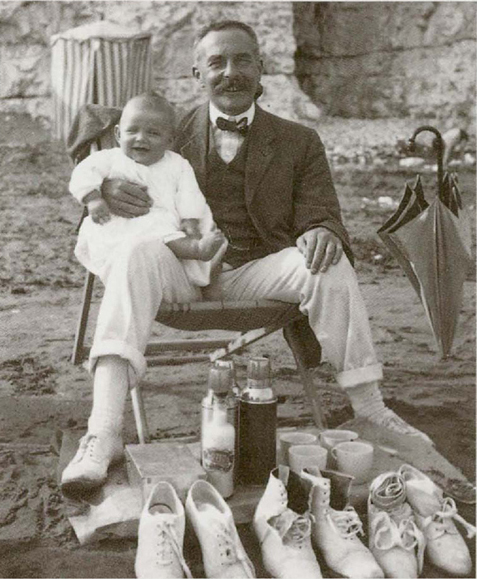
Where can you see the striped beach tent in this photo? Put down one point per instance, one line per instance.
(99, 63)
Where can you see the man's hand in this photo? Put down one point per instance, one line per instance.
(125, 198)
(321, 248)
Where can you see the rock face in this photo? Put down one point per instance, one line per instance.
(364, 60)
(388, 59)
(26, 28)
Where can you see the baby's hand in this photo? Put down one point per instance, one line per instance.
(99, 211)
(191, 228)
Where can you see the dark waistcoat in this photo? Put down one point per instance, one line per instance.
(225, 193)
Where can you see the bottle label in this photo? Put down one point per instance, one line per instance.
(217, 459)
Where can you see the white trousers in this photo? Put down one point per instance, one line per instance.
(146, 272)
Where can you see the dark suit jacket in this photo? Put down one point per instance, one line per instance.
(288, 184)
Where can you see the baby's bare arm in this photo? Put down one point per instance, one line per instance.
(97, 207)
(191, 228)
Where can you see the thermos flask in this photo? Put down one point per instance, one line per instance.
(257, 424)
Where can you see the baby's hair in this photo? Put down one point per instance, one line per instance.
(155, 102)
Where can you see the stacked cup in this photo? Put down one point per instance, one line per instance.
(348, 455)
(300, 450)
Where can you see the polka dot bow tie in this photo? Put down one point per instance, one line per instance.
(240, 127)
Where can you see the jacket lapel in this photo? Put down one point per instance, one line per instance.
(195, 149)
(260, 151)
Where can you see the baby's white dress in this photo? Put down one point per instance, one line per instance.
(175, 193)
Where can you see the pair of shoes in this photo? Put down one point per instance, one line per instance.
(394, 538)
(283, 533)
(89, 467)
(161, 534)
(435, 515)
(336, 530)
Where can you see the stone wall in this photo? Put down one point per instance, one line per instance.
(26, 28)
(362, 60)
(388, 59)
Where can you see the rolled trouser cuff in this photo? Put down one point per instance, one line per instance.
(351, 378)
(135, 358)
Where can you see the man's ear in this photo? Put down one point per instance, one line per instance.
(196, 74)
(117, 134)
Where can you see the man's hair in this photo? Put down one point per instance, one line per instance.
(226, 25)
(154, 102)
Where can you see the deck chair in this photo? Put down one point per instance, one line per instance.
(253, 320)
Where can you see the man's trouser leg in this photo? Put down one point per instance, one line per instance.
(141, 275)
(331, 300)
(137, 279)
(337, 314)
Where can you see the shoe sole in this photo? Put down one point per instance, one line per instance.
(80, 487)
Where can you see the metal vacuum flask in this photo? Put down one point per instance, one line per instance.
(258, 425)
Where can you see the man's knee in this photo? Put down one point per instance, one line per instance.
(142, 253)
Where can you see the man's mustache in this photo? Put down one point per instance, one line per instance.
(225, 86)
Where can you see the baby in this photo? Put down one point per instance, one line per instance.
(179, 215)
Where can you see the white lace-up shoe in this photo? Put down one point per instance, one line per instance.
(223, 554)
(394, 539)
(89, 467)
(284, 535)
(335, 533)
(435, 516)
(161, 536)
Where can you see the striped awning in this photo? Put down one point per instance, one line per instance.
(100, 63)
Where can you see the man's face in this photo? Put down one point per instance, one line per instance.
(144, 134)
(229, 68)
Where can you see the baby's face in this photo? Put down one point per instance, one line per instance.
(144, 134)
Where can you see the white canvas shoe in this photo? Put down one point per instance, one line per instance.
(435, 516)
(89, 467)
(161, 536)
(394, 539)
(285, 535)
(223, 554)
(335, 532)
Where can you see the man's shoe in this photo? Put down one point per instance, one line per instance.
(335, 532)
(394, 539)
(435, 517)
(223, 554)
(388, 419)
(284, 535)
(161, 536)
(89, 467)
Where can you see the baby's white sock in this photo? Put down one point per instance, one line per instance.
(110, 389)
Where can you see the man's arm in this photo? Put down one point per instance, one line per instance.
(125, 199)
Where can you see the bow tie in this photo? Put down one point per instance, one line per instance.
(240, 127)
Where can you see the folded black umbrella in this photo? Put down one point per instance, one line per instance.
(432, 243)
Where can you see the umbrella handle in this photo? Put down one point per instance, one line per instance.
(439, 146)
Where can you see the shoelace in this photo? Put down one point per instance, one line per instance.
(293, 529)
(387, 491)
(388, 534)
(346, 522)
(228, 537)
(87, 446)
(394, 422)
(448, 511)
(166, 535)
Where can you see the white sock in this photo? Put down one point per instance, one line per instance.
(111, 385)
(366, 399)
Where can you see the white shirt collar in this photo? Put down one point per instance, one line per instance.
(214, 113)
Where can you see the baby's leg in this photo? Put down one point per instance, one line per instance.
(202, 249)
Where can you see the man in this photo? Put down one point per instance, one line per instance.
(271, 193)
